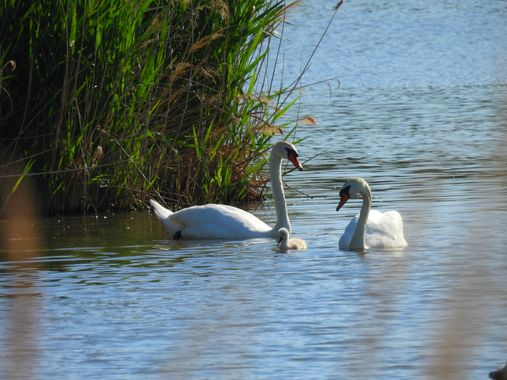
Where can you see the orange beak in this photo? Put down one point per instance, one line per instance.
(344, 197)
(294, 159)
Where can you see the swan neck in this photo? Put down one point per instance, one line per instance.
(357, 242)
(275, 174)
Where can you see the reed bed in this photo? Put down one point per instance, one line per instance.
(104, 104)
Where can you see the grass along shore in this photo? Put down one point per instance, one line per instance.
(105, 104)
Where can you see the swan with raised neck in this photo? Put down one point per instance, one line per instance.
(217, 221)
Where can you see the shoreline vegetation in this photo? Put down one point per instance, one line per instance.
(105, 104)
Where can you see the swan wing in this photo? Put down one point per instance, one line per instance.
(384, 230)
(298, 243)
(220, 222)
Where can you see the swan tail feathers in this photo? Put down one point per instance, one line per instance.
(160, 210)
(164, 214)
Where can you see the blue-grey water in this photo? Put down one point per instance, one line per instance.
(416, 103)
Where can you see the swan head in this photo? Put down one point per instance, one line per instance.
(283, 234)
(355, 188)
(286, 150)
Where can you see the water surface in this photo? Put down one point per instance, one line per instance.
(420, 113)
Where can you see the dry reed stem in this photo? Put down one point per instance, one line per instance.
(308, 120)
(206, 40)
(20, 242)
(465, 322)
(179, 70)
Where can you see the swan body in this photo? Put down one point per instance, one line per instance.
(211, 221)
(216, 221)
(285, 242)
(370, 228)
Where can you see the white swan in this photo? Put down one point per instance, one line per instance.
(371, 229)
(216, 221)
(285, 242)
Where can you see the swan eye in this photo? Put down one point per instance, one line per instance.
(292, 156)
(291, 152)
(345, 190)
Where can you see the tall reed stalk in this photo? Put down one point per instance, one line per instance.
(107, 103)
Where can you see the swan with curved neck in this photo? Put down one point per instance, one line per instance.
(285, 242)
(216, 221)
(371, 229)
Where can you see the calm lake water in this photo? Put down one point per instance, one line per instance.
(420, 112)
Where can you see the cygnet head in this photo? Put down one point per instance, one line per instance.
(286, 150)
(283, 234)
(355, 188)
